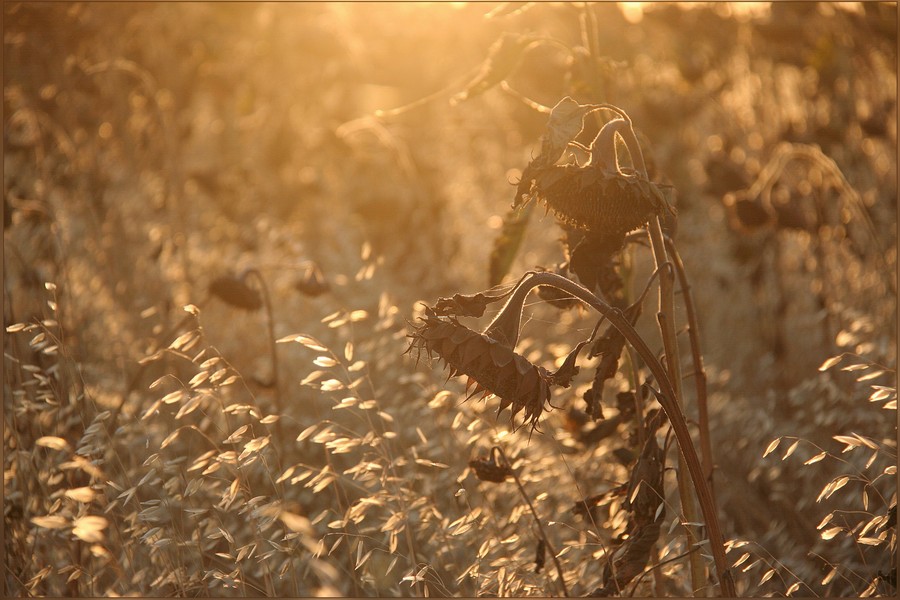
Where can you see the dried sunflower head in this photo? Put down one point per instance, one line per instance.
(601, 198)
(493, 367)
(594, 200)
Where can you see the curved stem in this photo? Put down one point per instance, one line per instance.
(667, 399)
(273, 349)
(787, 152)
(610, 107)
(634, 149)
(533, 104)
(666, 319)
(603, 148)
(697, 357)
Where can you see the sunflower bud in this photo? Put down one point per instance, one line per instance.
(312, 283)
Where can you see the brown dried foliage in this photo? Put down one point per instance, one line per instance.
(489, 469)
(642, 500)
(630, 560)
(235, 292)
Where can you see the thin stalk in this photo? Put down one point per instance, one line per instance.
(697, 358)
(533, 104)
(668, 400)
(588, 28)
(779, 341)
(666, 318)
(655, 570)
(537, 520)
(633, 368)
(273, 349)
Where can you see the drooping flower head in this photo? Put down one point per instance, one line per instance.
(491, 366)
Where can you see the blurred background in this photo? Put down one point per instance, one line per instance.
(319, 169)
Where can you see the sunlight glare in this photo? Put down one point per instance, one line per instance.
(632, 11)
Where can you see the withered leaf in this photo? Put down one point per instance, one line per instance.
(629, 561)
(601, 431)
(564, 374)
(609, 347)
(593, 263)
(565, 123)
(540, 556)
(462, 305)
(489, 469)
(645, 487)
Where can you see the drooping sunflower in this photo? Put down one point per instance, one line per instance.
(491, 366)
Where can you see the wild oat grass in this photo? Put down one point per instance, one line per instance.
(223, 222)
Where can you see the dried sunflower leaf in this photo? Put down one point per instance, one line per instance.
(507, 244)
(462, 305)
(564, 374)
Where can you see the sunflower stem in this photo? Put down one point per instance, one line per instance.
(668, 401)
(666, 318)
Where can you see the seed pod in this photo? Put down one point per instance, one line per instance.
(747, 214)
(313, 283)
(488, 469)
(235, 292)
(493, 367)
